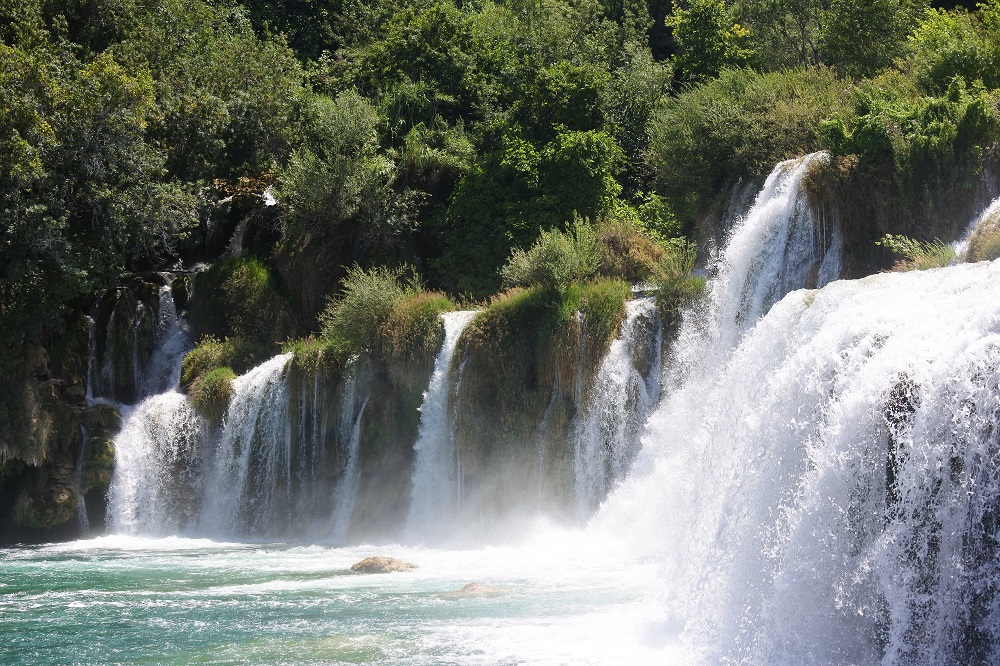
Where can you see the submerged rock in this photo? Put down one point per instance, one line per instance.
(475, 590)
(381, 564)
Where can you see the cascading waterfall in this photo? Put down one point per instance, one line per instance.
(829, 487)
(607, 435)
(157, 483)
(82, 520)
(352, 409)
(434, 477)
(778, 246)
(251, 481)
(172, 342)
(833, 491)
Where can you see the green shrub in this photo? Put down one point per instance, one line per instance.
(602, 304)
(367, 300)
(739, 125)
(240, 296)
(955, 43)
(676, 285)
(556, 259)
(211, 353)
(627, 250)
(316, 354)
(984, 245)
(414, 328)
(918, 255)
(210, 393)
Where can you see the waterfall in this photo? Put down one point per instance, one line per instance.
(171, 342)
(352, 408)
(91, 353)
(106, 387)
(607, 435)
(82, 520)
(827, 485)
(778, 246)
(251, 483)
(434, 469)
(156, 487)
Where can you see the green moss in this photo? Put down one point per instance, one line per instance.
(210, 394)
(314, 354)
(100, 464)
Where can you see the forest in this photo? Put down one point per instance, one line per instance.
(390, 159)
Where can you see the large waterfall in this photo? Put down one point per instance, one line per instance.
(808, 473)
(829, 487)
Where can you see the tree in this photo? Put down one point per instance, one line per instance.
(863, 37)
(709, 39)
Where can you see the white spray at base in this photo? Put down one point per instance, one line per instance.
(433, 497)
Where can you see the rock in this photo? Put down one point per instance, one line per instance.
(381, 564)
(475, 590)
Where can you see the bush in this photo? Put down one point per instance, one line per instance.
(367, 300)
(210, 394)
(627, 249)
(954, 43)
(676, 285)
(414, 328)
(602, 304)
(556, 259)
(918, 255)
(240, 297)
(212, 353)
(739, 125)
(984, 245)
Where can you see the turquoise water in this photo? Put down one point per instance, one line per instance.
(118, 600)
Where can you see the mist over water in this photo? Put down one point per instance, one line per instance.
(815, 481)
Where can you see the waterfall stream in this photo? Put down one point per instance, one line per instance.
(434, 479)
(607, 435)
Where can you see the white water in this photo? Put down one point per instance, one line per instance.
(827, 491)
(157, 478)
(352, 409)
(251, 483)
(607, 436)
(172, 341)
(778, 246)
(432, 503)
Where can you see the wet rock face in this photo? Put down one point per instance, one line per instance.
(381, 564)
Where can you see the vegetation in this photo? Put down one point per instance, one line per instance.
(984, 245)
(917, 255)
(210, 393)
